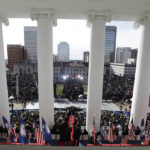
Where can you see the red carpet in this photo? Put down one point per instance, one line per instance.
(61, 143)
(70, 123)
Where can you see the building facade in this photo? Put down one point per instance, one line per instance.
(16, 54)
(134, 53)
(30, 42)
(131, 61)
(54, 57)
(63, 51)
(70, 69)
(61, 70)
(110, 43)
(122, 54)
(25, 68)
(86, 56)
(122, 69)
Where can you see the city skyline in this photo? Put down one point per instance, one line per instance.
(74, 32)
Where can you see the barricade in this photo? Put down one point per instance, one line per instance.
(85, 138)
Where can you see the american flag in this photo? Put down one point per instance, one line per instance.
(131, 135)
(13, 132)
(94, 131)
(110, 133)
(39, 135)
(46, 131)
(142, 137)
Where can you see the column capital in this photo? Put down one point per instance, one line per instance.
(4, 20)
(94, 15)
(48, 13)
(145, 16)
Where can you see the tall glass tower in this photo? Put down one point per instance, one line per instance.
(30, 42)
(110, 44)
(63, 51)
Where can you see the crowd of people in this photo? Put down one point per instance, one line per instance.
(118, 88)
(62, 123)
(72, 89)
(24, 88)
(27, 88)
(11, 83)
(29, 117)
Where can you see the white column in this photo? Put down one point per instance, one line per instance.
(96, 67)
(4, 106)
(141, 93)
(45, 66)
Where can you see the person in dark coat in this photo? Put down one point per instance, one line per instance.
(61, 131)
(1, 130)
(33, 140)
(5, 131)
(76, 136)
(68, 135)
(137, 131)
(63, 127)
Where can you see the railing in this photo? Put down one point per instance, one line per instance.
(83, 138)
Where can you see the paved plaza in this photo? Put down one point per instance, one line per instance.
(105, 105)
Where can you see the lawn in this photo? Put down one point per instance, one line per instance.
(85, 88)
(59, 89)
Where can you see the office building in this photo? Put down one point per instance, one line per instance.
(86, 56)
(122, 69)
(16, 54)
(30, 42)
(63, 51)
(122, 54)
(110, 43)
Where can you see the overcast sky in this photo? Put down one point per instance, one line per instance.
(75, 32)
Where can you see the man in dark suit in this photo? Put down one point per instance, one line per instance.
(1, 130)
(76, 136)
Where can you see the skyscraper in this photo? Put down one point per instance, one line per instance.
(86, 56)
(134, 53)
(30, 42)
(63, 51)
(110, 43)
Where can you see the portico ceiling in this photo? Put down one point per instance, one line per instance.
(127, 10)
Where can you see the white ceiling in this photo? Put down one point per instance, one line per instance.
(76, 9)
